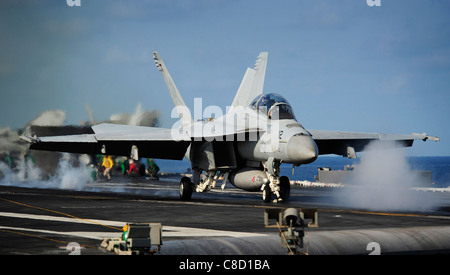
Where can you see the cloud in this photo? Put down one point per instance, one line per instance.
(117, 55)
(65, 28)
(396, 84)
(438, 60)
(6, 69)
(323, 15)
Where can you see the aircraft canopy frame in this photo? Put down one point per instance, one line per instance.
(271, 103)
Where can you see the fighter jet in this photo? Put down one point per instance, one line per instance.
(245, 146)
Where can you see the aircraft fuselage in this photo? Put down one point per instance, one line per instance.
(285, 139)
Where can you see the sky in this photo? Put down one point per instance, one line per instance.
(342, 65)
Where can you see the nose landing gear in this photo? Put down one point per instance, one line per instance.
(278, 186)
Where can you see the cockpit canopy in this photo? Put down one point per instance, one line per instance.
(274, 105)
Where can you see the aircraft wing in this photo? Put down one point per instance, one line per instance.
(348, 143)
(118, 140)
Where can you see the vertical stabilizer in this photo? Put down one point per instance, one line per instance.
(180, 105)
(253, 82)
(260, 68)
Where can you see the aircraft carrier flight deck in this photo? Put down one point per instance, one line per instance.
(231, 222)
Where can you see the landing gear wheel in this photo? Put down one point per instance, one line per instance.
(186, 188)
(285, 188)
(267, 194)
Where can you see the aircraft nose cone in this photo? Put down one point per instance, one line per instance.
(302, 149)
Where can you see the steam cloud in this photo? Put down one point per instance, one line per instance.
(67, 177)
(383, 181)
(29, 175)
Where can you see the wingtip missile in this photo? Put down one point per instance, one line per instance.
(158, 61)
(30, 140)
(425, 137)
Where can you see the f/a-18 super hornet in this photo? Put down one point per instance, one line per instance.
(245, 146)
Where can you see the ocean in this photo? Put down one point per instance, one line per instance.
(440, 167)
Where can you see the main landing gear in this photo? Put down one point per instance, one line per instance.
(187, 187)
(275, 189)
